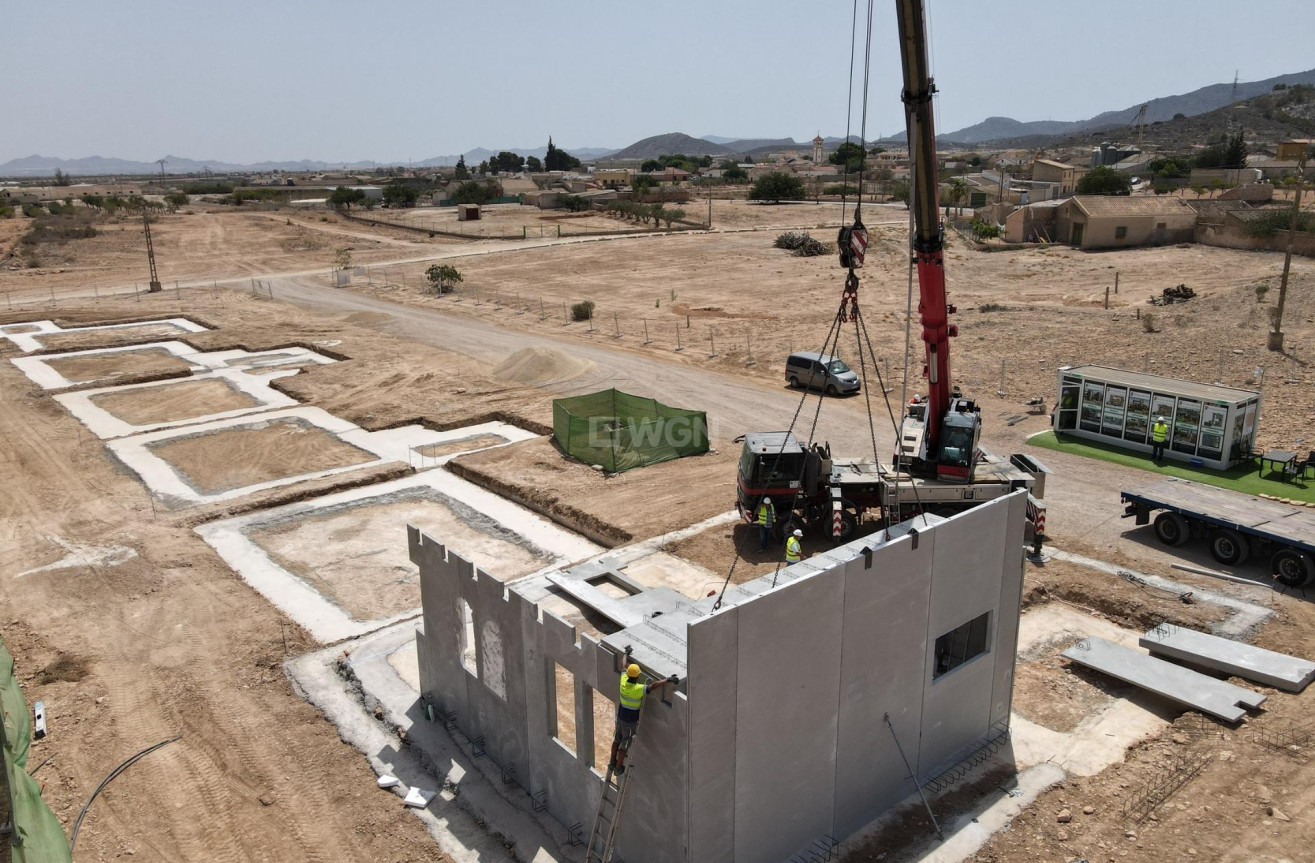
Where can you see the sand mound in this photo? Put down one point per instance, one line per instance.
(540, 365)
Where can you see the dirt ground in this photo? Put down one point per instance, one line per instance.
(172, 642)
(219, 461)
(612, 509)
(120, 364)
(173, 402)
(357, 556)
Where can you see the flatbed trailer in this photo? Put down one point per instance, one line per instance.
(1235, 525)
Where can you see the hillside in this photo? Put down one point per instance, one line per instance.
(670, 143)
(1163, 109)
(1271, 117)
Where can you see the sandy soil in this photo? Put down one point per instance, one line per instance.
(173, 402)
(121, 364)
(613, 509)
(357, 556)
(111, 338)
(742, 296)
(218, 461)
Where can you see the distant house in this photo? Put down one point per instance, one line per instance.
(1067, 176)
(1116, 221)
(1290, 151)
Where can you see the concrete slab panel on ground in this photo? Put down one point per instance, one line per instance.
(1178, 684)
(1231, 657)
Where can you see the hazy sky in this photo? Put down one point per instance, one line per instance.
(393, 80)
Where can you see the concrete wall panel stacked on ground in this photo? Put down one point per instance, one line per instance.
(517, 724)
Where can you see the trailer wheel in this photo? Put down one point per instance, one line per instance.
(1229, 547)
(1293, 568)
(1172, 528)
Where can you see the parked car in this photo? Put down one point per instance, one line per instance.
(820, 371)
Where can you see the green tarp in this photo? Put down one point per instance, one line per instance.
(620, 431)
(38, 833)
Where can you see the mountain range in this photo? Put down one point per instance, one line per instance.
(1201, 101)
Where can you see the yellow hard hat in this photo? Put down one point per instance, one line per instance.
(632, 670)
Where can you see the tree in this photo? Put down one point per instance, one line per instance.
(443, 277)
(651, 165)
(848, 154)
(1104, 181)
(508, 162)
(399, 195)
(475, 192)
(735, 174)
(640, 184)
(461, 172)
(533, 165)
(343, 197)
(175, 200)
(958, 192)
(559, 160)
(776, 187)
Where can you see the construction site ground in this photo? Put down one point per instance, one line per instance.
(129, 650)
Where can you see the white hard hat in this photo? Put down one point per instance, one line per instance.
(767, 500)
(798, 532)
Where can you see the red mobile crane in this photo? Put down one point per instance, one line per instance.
(938, 464)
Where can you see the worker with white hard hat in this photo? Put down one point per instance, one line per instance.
(793, 550)
(1159, 437)
(765, 518)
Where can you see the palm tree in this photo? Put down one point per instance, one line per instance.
(958, 191)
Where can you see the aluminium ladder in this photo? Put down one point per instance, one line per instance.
(607, 821)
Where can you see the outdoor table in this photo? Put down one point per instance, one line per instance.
(1278, 459)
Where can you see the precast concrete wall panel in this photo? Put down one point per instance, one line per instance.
(965, 584)
(1005, 647)
(713, 690)
(883, 630)
(788, 683)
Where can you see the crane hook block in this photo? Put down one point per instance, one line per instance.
(852, 243)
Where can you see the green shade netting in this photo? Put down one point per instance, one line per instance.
(621, 432)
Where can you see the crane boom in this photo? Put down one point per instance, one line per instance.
(942, 407)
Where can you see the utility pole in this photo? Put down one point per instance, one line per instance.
(1275, 342)
(154, 287)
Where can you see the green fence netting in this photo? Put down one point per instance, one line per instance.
(621, 432)
(37, 837)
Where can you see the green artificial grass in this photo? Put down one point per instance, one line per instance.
(1244, 478)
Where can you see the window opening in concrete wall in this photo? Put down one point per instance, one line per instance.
(466, 634)
(961, 644)
(563, 725)
(604, 726)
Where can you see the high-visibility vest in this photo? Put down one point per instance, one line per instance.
(792, 552)
(1159, 432)
(766, 514)
(632, 692)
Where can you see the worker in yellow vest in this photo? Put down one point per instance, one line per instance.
(1159, 436)
(793, 550)
(765, 518)
(631, 701)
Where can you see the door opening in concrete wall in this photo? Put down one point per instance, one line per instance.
(466, 635)
(604, 726)
(563, 707)
(961, 644)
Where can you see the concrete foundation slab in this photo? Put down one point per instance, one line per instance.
(1174, 682)
(45, 369)
(1231, 657)
(31, 336)
(361, 582)
(102, 409)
